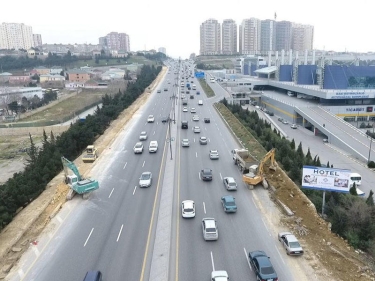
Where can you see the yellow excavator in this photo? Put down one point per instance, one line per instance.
(256, 172)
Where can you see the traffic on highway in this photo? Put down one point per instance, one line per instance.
(171, 204)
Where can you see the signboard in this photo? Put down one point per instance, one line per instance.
(350, 94)
(326, 179)
(199, 74)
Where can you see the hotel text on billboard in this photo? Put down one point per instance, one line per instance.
(326, 179)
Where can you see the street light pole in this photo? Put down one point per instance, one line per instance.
(369, 152)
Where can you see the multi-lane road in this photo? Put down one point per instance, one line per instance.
(114, 230)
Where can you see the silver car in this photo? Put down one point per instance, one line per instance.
(214, 154)
(143, 136)
(185, 143)
(290, 244)
(196, 129)
(230, 183)
(145, 180)
(138, 147)
(203, 140)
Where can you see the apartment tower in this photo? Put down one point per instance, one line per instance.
(16, 36)
(37, 39)
(284, 31)
(249, 36)
(302, 37)
(229, 37)
(116, 41)
(210, 38)
(268, 36)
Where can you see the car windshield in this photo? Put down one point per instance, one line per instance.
(210, 230)
(231, 203)
(232, 183)
(138, 145)
(145, 176)
(294, 245)
(188, 210)
(267, 270)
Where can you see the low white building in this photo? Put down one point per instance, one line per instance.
(9, 94)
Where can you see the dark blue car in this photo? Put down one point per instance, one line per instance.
(262, 266)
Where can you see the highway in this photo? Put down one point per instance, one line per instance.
(114, 230)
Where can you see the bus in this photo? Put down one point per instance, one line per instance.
(355, 178)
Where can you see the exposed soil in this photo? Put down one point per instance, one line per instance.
(59, 196)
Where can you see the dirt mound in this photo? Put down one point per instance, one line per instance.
(322, 246)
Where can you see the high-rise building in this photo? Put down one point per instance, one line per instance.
(210, 37)
(249, 36)
(37, 39)
(229, 37)
(16, 36)
(268, 35)
(303, 37)
(162, 50)
(116, 41)
(284, 31)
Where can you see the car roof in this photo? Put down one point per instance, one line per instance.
(205, 170)
(290, 237)
(139, 143)
(203, 137)
(146, 173)
(210, 222)
(185, 139)
(188, 203)
(228, 198)
(230, 179)
(143, 132)
(153, 142)
(213, 150)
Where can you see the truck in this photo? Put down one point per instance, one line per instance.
(76, 182)
(90, 155)
(243, 159)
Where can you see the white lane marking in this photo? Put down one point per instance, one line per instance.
(36, 251)
(21, 273)
(111, 193)
(154, 133)
(196, 154)
(88, 237)
(119, 234)
(59, 219)
(212, 262)
(247, 259)
(134, 189)
(266, 227)
(252, 198)
(125, 165)
(194, 139)
(199, 176)
(221, 176)
(279, 254)
(209, 140)
(204, 207)
(143, 163)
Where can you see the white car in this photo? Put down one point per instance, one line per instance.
(196, 129)
(214, 154)
(153, 147)
(200, 102)
(285, 122)
(151, 119)
(195, 118)
(193, 110)
(294, 126)
(143, 136)
(230, 183)
(219, 275)
(138, 147)
(185, 143)
(185, 109)
(145, 180)
(188, 209)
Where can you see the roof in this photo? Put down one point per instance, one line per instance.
(41, 67)
(5, 74)
(266, 70)
(77, 71)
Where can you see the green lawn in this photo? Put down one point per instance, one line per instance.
(206, 88)
(112, 62)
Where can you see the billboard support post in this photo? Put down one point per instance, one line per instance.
(324, 202)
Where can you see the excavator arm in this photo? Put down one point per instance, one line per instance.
(70, 165)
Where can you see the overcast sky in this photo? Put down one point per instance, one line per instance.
(173, 24)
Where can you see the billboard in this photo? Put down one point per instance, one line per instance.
(199, 74)
(326, 179)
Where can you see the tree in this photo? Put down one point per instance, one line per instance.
(318, 164)
(32, 152)
(328, 164)
(300, 151)
(13, 106)
(370, 199)
(353, 190)
(293, 144)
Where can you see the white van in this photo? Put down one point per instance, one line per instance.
(153, 147)
(355, 178)
(200, 102)
(212, 80)
(194, 87)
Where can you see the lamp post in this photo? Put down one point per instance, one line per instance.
(369, 152)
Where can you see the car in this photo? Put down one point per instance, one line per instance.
(93, 275)
(262, 266)
(325, 140)
(188, 92)
(185, 143)
(200, 102)
(290, 243)
(182, 91)
(183, 96)
(203, 140)
(270, 113)
(191, 97)
(143, 135)
(145, 180)
(153, 147)
(198, 93)
(165, 119)
(230, 183)
(193, 110)
(196, 129)
(257, 107)
(188, 209)
(207, 120)
(229, 204)
(214, 154)
(219, 275)
(294, 126)
(210, 230)
(158, 91)
(195, 118)
(151, 119)
(165, 89)
(185, 109)
(206, 174)
(184, 124)
(285, 122)
(280, 119)
(138, 147)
